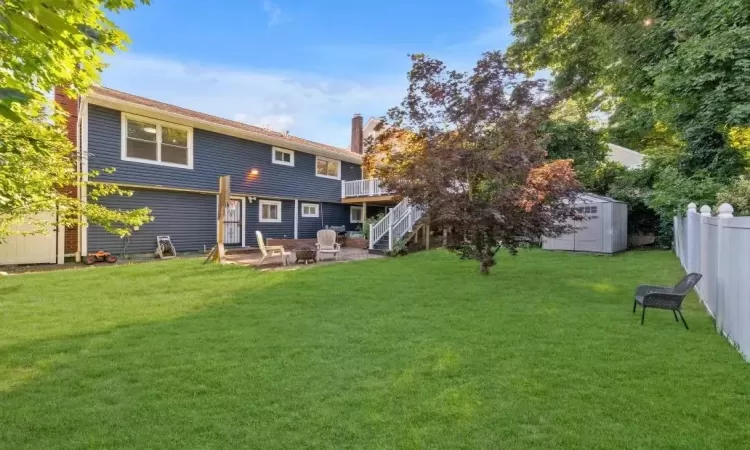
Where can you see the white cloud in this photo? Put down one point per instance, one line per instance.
(274, 12)
(307, 105)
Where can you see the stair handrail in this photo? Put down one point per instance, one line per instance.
(405, 225)
(380, 229)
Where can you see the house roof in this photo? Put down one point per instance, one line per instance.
(112, 96)
(625, 156)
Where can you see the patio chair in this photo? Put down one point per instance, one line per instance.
(327, 243)
(271, 250)
(662, 297)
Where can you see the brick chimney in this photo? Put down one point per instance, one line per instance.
(70, 106)
(357, 134)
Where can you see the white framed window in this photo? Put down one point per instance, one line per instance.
(355, 214)
(269, 211)
(310, 210)
(327, 168)
(282, 156)
(152, 141)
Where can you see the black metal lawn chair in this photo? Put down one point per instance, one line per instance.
(662, 297)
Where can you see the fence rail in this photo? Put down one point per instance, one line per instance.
(718, 247)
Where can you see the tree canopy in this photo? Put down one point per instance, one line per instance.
(662, 68)
(51, 43)
(47, 44)
(466, 147)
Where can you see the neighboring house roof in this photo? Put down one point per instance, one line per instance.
(628, 158)
(369, 129)
(113, 98)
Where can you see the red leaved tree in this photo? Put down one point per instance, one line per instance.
(467, 149)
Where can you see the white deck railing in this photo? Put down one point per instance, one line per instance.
(362, 188)
(396, 224)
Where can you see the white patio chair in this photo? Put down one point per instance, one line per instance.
(327, 243)
(271, 250)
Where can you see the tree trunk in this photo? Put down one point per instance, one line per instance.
(486, 261)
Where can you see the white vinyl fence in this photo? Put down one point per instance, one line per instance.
(719, 248)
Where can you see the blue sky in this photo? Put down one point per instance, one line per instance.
(302, 66)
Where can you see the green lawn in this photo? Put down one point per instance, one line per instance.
(417, 352)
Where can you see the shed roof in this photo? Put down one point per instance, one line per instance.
(588, 197)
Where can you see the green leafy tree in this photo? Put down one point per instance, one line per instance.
(50, 43)
(737, 195)
(46, 44)
(663, 68)
(37, 164)
(579, 142)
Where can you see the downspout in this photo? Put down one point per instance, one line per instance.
(79, 161)
(296, 218)
(83, 235)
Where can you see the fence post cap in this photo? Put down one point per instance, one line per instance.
(706, 210)
(692, 207)
(726, 210)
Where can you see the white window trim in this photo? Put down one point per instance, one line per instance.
(319, 158)
(282, 150)
(314, 205)
(353, 208)
(159, 123)
(260, 211)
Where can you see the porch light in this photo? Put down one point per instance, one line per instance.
(252, 174)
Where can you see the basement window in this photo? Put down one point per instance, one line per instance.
(355, 214)
(310, 210)
(269, 211)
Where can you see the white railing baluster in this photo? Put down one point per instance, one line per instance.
(397, 223)
(362, 188)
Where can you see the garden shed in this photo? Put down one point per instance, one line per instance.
(604, 229)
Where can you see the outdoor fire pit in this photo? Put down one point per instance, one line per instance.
(306, 254)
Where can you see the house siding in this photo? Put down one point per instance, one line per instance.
(189, 219)
(214, 155)
(331, 215)
(337, 214)
(276, 230)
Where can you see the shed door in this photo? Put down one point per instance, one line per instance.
(589, 237)
(565, 241)
(34, 249)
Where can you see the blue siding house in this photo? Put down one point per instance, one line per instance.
(172, 158)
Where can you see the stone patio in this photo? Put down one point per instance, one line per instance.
(274, 263)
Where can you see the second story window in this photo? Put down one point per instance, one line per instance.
(155, 142)
(327, 168)
(283, 156)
